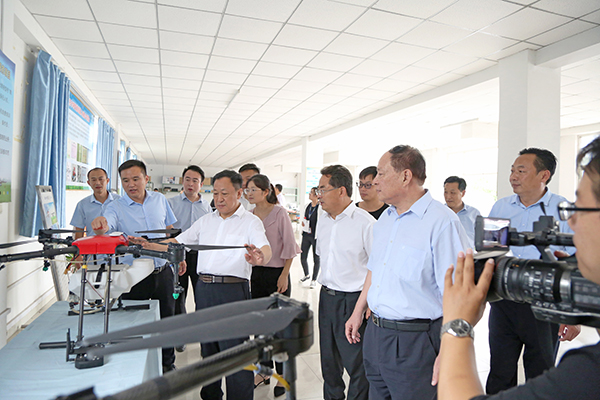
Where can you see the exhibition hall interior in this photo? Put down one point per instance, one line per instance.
(291, 86)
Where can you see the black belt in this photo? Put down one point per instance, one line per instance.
(411, 325)
(206, 278)
(160, 269)
(332, 292)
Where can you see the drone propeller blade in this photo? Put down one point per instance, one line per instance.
(202, 247)
(53, 231)
(253, 323)
(173, 231)
(185, 320)
(13, 244)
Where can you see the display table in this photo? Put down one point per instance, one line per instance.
(26, 372)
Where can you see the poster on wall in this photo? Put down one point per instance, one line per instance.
(312, 178)
(7, 84)
(80, 143)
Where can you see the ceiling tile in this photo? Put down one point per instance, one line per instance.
(358, 46)
(335, 62)
(178, 58)
(109, 86)
(119, 34)
(592, 17)
(173, 83)
(276, 70)
(265, 81)
(129, 67)
(480, 45)
(326, 14)
(393, 85)
(60, 8)
(130, 53)
(418, 9)
(124, 12)
(377, 68)
(520, 46)
(188, 21)
(140, 79)
(229, 64)
(475, 14)
(416, 74)
(225, 77)
(401, 53)
(304, 86)
(81, 48)
(204, 5)
(288, 55)
(185, 42)
(444, 79)
(444, 61)
(383, 25)
(340, 90)
(272, 10)
(525, 24)
(356, 80)
(170, 71)
(100, 76)
(220, 87)
(94, 64)
(239, 49)
(151, 90)
(253, 30)
(476, 66)
(564, 31)
(317, 75)
(434, 35)
(304, 37)
(69, 28)
(573, 9)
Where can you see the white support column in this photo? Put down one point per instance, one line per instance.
(302, 201)
(529, 113)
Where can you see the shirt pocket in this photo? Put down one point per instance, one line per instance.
(409, 266)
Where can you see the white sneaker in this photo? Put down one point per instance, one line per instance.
(307, 277)
(313, 284)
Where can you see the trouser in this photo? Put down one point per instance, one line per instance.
(307, 242)
(157, 286)
(512, 326)
(240, 386)
(399, 364)
(337, 354)
(263, 284)
(191, 259)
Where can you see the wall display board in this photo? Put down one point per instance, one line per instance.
(7, 84)
(312, 178)
(80, 157)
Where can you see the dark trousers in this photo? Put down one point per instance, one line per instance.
(240, 386)
(307, 242)
(399, 364)
(157, 287)
(263, 284)
(191, 259)
(337, 353)
(512, 326)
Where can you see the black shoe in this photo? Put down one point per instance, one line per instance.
(279, 391)
(180, 349)
(169, 368)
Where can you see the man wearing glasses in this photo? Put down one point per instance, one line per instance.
(370, 201)
(512, 325)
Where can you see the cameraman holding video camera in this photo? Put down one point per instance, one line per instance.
(576, 377)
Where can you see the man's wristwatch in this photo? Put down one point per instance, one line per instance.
(459, 328)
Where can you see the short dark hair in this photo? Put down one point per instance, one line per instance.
(194, 168)
(368, 171)
(407, 157)
(462, 184)
(234, 177)
(132, 163)
(262, 182)
(279, 187)
(314, 188)
(97, 169)
(588, 161)
(544, 160)
(339, 176)
(249, 166)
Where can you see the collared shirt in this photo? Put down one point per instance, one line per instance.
(187, 212)
(344, 245)
(127, 216)
(238, 229)
(522, 219)
(279, 231)
(467, 217)
(89, 208)
(410, 256)
(246, 204)
(281, 200)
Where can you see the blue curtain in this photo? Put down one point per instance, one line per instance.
(106, 147)
(47, 142)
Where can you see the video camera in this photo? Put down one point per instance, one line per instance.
(555, 289)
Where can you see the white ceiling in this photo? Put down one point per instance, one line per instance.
(222, 82)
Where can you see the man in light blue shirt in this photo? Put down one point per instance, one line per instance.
(141, 210)
(512, 325)
(91, 207)
(414, 242)
(188, 207)
(454, 191)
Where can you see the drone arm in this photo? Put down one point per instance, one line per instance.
(51, 252)
(175, 255)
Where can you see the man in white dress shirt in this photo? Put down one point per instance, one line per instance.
(247, 171)
(344, 236)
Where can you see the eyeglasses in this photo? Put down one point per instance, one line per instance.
(321, 192)
(248, 191)
(364, 185)
(566, 210)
